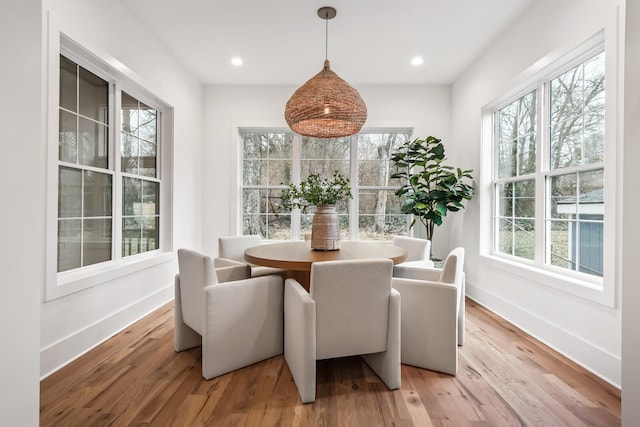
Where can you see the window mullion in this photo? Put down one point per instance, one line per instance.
(117, 190)
(542, 155)
(355, 186)
(295, 179)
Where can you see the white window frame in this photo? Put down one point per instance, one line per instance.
(296, 233)
(64, 283)
(593, 288)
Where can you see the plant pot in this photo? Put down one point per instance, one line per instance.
(325, 233)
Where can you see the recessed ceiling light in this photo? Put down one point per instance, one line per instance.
(417, 60)
(236, 61)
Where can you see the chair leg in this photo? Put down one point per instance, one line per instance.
(183, 336)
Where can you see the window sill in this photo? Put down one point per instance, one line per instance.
(68, 283)
(596, 290)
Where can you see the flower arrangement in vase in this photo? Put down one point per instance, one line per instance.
(323, 193)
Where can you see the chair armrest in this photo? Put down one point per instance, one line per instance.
(232, 273)
(300, 338)
(220, 262)
(416, 273)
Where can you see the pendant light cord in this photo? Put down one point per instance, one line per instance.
(326, 37)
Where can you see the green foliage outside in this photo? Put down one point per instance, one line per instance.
(431, 188)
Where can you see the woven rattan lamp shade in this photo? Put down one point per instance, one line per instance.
(325, 107)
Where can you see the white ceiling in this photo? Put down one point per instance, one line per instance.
(283, 41)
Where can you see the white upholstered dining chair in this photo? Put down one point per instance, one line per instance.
(418, 253)
(351, 309)
(238, 320)
(433, 314)
(231, 252)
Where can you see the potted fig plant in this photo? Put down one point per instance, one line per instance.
(323, 193)
(431, 188)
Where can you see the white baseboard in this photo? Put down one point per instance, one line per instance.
(66, 350)
(596, 360)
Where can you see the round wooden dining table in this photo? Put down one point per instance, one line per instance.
(297, 257)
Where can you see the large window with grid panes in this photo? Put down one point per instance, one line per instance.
(109, 174)
(274, 158)
(549, 170)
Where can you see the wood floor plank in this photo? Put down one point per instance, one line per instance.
(505, 378)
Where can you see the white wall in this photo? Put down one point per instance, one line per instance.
(426, 108)
(22, 161)
(587, 332)
(630, 264)
(73, 324)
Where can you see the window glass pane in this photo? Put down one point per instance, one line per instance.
(252, 171)
(374, 158)
(381, 216)
(139, 152)
(68, 84)
(505, 236)
(69, 193)
(594, 82)
(131, 236)
(150, 233)
(150, 196)
(577, 115)
(93, 150)
(96, 241)
(148, 123)
(507, 158)
(278, 227)
(527, 115)
(593, 141)
(505, 199)
(254, 224)
(129, 149)
(323, 156)
(563, 196)
(566, 144)
(508, 122)
(517, 137)
(131, 195)
(255, 145)
(591, 194)
(67, 137)
(325, 148)
(567, 95)
(94, 96)
(526, 148)
(280, 145)
(576, 242)
(147, 161)
(69, 246)
(129, 114)
(524, 238)
(324, 168)
(559, 238)
(524, 199)
(97, 194)
(279, 172)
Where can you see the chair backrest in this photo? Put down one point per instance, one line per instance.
(452, 267)
(196, 271)
(352, 306)
(417, 249)
(233, 247)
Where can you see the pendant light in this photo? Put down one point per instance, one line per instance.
(326, 106)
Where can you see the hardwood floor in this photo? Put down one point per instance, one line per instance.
(505, 378)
